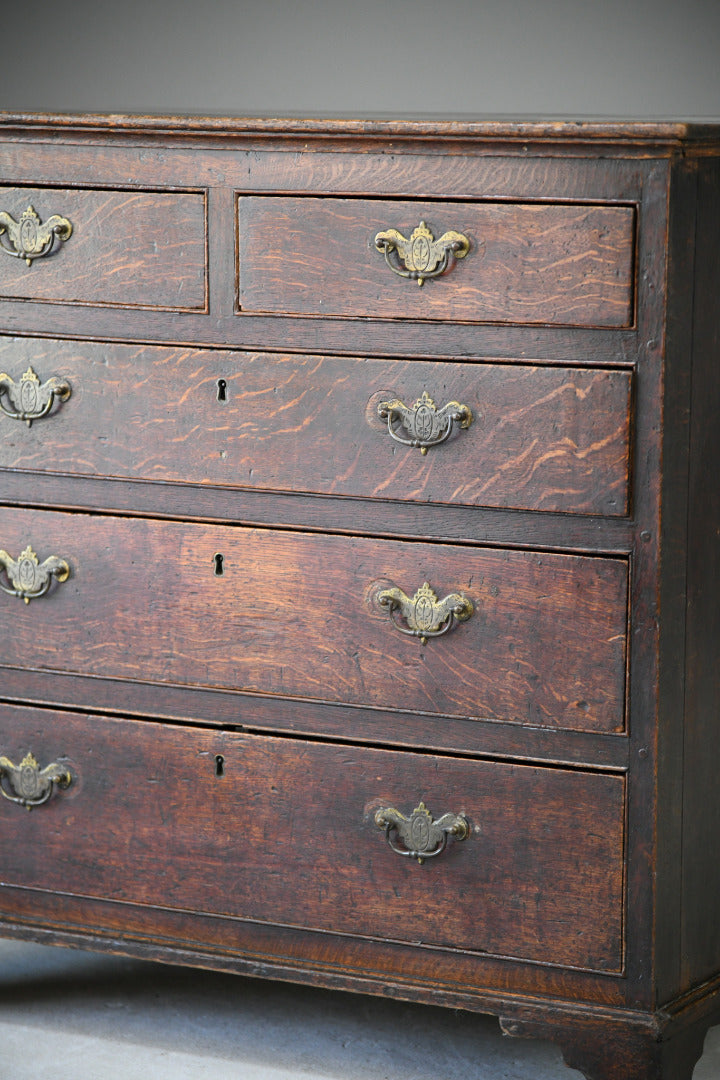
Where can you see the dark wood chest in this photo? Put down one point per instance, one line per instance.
(359, 546)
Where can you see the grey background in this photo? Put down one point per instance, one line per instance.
(612, 58)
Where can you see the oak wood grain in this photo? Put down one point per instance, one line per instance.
(296, 614)
(436, 976)
(259, 713)
(546, 264)
(542, 437)
(127, 248)
(258, 842)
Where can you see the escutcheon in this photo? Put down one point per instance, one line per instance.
(420, 837)
(30, 238)
(420, 256)
(423, 615)
(29, 785)
(423, 425)
(29, 399)
(29, 578)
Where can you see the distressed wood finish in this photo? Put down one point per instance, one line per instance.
(127, 248)
(542, 437)
(573, 718)
(296, 615)
(555, 265)
(257, 840)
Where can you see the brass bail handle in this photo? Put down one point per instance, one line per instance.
(420, 256)
(28, 577)
(423, 615)
(30, 238)
(27, 784)
(419, 836)
(29, 399)
(423, 425)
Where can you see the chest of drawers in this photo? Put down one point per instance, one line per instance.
(359, 546)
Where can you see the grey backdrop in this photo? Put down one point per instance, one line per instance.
(623, 58)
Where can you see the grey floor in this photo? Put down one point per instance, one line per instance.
(78, 1015)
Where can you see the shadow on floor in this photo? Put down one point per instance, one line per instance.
(109, 1017)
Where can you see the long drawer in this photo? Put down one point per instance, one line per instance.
(532, 263)
(535, 437)
(532, 637)
(223, 823)
(125, 248)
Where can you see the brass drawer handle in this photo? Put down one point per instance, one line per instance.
(424, 615)
(30, 238)
(29, 578)
(29, 784)
(420, 836)
(30, 399)
(421, 256)
(423, 423)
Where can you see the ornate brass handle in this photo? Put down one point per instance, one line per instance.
(420, 836)
(29, 784)
(424, 615)
(30, 399)
(28, 577)
(30, 238)
(420, 256)
(424, 424)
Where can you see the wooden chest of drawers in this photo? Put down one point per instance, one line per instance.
(360, 546)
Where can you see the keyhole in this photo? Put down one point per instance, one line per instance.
(222, 390)
(219, 560)
(219, 765)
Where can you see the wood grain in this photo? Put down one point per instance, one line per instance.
(127, 248)
(542, 437)
(259, 842)
(294, 615)
(528, 264)
(701, 795)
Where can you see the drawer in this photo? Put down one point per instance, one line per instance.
(125, 248)
(283, 831)
(528, 263)
(527, 437)
(321, 617)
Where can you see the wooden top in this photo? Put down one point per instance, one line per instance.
(580, 131)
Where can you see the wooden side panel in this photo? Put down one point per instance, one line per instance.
(297, 615)
(127, 248)
(541, 438)
(532, 264)
(258, 842)
(701, 809)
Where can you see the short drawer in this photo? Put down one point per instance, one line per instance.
(124, 248)
(531, 637)
(521, 436)
(529, 864)
(526, 263)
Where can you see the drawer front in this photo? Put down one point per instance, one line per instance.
(519, 436)
(302, 615)
(284, 831)
(125, 248)
(552, 264)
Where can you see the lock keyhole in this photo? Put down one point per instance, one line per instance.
(222, 390)
(219, 567)
(219, 765)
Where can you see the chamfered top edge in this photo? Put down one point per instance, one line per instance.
(581, 129)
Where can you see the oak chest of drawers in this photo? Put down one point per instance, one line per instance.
(359, 546)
